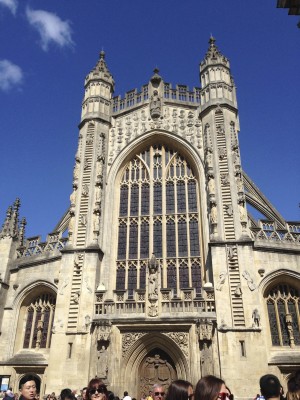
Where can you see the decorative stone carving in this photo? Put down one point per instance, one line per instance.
(221, 281)
(239, 184)
(76, 170)
(102, 363)
(155, 105)
(221, 152)
(83, 219)
(153, 278)
(71, 225)
(243, 213)
(77, 261)
(86, 164)
(206, 360)
(256, 318)
(85, 190)
(236, 157)
(128, 339)
(238, 291)
(75, 297)
(181, 339)
(224, 179)
(102, 331)
(211, 185)
(230, 252)
(73, 197)
(250, 282)
(205, 329)
(229, 209)
(289, 325)
(213, 214)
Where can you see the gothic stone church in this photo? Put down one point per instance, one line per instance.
(159, 270)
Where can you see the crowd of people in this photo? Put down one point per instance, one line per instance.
(207, 388)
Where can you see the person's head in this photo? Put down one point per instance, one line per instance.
(125, 394)
(66, 394)
(96, 390)
(211, 388)
(28, 387)
(270, 386)
(158, 392)
(83, 393)
(180, 390)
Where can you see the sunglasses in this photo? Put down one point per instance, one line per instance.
(159, 394)
(100, 389)
(224, 396)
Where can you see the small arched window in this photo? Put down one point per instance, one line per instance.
(283, 303)
(39, 322)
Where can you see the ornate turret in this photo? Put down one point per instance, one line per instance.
(99, 87)
(10, 227)
(216, 80)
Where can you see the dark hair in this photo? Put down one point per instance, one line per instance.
(178, 390)
(66, 393)
(208, 388)
(125, 393)
(27, 378)
(269, 386)
(94, 384)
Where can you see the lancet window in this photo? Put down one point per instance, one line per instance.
(283, 304)
(159, 213)
(39, 322)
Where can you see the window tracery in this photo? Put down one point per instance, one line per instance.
(39, 321)
(159, 213)
(283, 305)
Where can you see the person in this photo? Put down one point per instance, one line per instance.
(67, 394)
(158, 392)
(293, 389)
(149, 397)
(9, 395)
(180, 390)
(270, 387)
(83, 393)
(126, 397)
(211, 388)
(96, 390)
(28, 387)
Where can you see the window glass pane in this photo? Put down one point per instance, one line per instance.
(182, 239)
(122, 242)
(132, 280)
(144, 251)
(295, 326)
(45, 328)
(120, 278)
(192, 196)
(157, 239)
(273, 324)
(157, 198)
(133, 241)
(184, 277)
(181, 203)
(196, 277)
(124, 201)
(134, 200)
(284, 331)
(170, 200)
(145, 200)
(171, 277)
(194, 238)
(143, 276)
(38, 315)
(28, 328)
(171, 239)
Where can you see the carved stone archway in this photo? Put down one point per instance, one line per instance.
(157, 367)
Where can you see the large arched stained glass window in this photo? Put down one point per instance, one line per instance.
(159, 213)
(39, 321)
(283, 303)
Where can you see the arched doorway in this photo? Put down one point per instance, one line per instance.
(156, 367)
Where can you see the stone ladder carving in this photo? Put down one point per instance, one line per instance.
(75, 291)
(235, 283)
(225, 184)
(86, 178)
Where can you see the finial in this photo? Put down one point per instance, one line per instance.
(211, 40)
(156, 70)
(17, 204)
(102, 54)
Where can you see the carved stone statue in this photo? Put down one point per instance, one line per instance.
(73, 197)
(256, 318)
(153, 278)
(155, 105)
(102, 363)
(239, 184)
(206, 360)
(213, 214)
(249, 280)
(221, 281)
(211, 185)
(243, 213)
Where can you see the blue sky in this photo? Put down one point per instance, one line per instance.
(48, 46)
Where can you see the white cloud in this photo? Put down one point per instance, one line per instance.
(11, 4)
(50, 27)
(10, 75)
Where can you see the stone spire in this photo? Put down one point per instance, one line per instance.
(10, 226)
(216, 77)
(99, 88)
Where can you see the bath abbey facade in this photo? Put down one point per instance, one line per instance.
(159, 269)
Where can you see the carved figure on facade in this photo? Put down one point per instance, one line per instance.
(221, 152)
(97, 194)
(213, 214)
(239, 184)
(128, 339)
(39, 333)
(83, 219)
(206, 360)
(220, 130)
(102, 363)
(289, 325)
(96, 224)
(221, 281)
(243, 212)
(205, 329)
(209, 159)
(153, 278)
(77, 260)
(89, 138)
(155, 105)
(86, 164)
(256, 318)
(157, 370)
(71, 225)
(73, 197)
(229, 209)
(249, 280)
(225, 179)
(85, 190)
(211, 185)
(76, 170)
(238, 291)
(236, 157)
(75, 297)
(102, 331)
